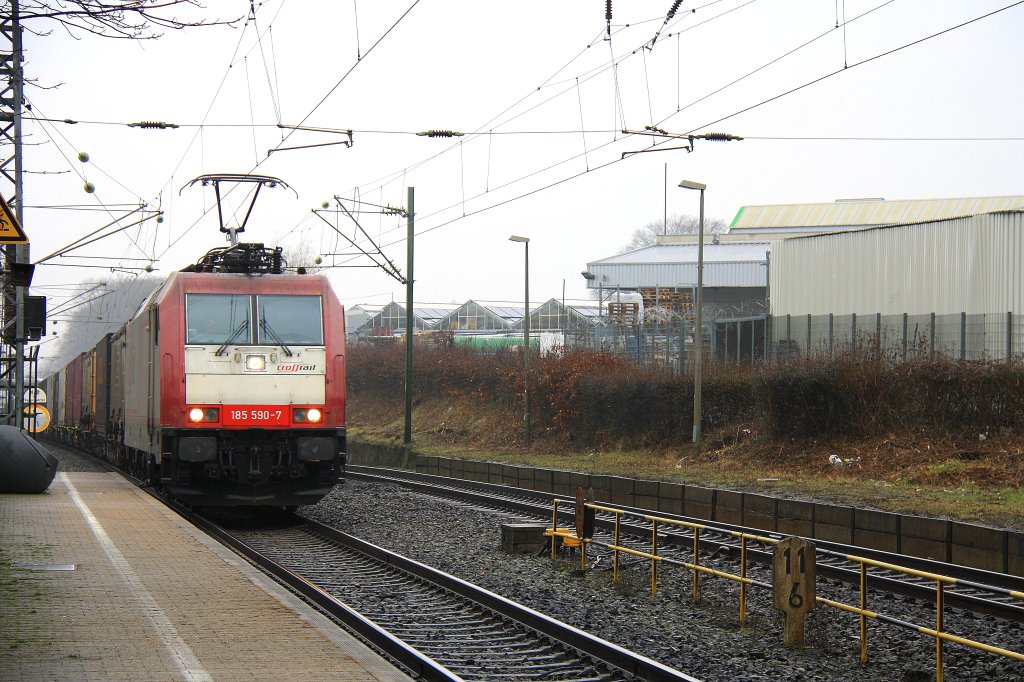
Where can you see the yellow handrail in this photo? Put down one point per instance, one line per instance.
(941, 581)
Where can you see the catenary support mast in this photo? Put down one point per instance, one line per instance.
(12, 339)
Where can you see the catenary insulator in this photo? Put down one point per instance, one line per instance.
(152, 125)
(440, 133)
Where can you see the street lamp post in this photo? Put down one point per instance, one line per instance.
(698, 332)
(526, 337)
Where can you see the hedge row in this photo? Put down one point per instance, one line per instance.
(596, 397)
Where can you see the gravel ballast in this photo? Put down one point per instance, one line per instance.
(704, 640)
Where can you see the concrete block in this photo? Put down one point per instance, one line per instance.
(458, 468)
(522, 538)
(882, 522)
(924, 548)
(645, 493)
(543, 480)
(979, 546)
(729, 507)
(480, 471)
(494, 470)
(526, 477)
(432, 466)
(579, 480)
(444, 466)
(510, 475)
(876, 529)
(563, 483)
(936, 530)
(602, 488)
(670, 497)
(622, 491)
(759, 511)
(1015, 553)
(887, 542)
(833, 523)
(795, 518)
(421, 465)
(699, 502)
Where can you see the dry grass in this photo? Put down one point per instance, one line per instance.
(969, 480)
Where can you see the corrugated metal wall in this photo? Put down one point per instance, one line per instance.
(972, 265)
(718, 274)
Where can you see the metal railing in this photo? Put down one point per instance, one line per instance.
(616, 548)
(941, 581)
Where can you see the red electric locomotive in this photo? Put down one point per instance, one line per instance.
(234, 383)
(227, 386)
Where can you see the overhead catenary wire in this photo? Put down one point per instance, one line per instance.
(423, 218)
(307, 115)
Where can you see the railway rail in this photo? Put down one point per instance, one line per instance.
(435, 625)
(979, 591)
(438, 626)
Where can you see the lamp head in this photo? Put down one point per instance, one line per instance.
(689, 184)
(515, 238)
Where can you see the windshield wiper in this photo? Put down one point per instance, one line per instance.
(265, 326)
(234, 335)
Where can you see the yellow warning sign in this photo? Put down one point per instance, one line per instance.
(10, 229)
(37, 419)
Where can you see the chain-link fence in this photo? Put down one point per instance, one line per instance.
(740, 340)
(997, 336)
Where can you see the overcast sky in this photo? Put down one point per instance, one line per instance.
(533, 87)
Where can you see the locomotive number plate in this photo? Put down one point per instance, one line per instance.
(255, 415)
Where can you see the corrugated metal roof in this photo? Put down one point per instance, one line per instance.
(848, 214)
(716, 274)
(736, 252)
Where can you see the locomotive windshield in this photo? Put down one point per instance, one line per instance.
(292, 320)
(227, 319)
(214, 318)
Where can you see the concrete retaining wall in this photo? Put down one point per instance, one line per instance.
(963, 543)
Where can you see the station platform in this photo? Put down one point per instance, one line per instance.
(98, 581)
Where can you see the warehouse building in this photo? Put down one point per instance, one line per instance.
(751, 298)
(954, 286)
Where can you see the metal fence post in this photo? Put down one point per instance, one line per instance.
(808, 335)
(831, 336)
(752, 338)
(878, 333)
(932, 334)
(853, 330)
(905, 320)
(789, 330)
(963, 335)
(769, 325)
(1009, 336)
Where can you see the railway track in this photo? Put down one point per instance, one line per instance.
(436, 625)
(979, 591)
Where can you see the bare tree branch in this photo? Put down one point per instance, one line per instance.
(677, 224)
(124, 19)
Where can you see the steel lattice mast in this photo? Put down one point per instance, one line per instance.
(12, 339)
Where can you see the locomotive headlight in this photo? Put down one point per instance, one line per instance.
(198, 415)
(307, 415)
(255, 363)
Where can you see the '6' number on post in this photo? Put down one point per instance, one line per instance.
(793, 585)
